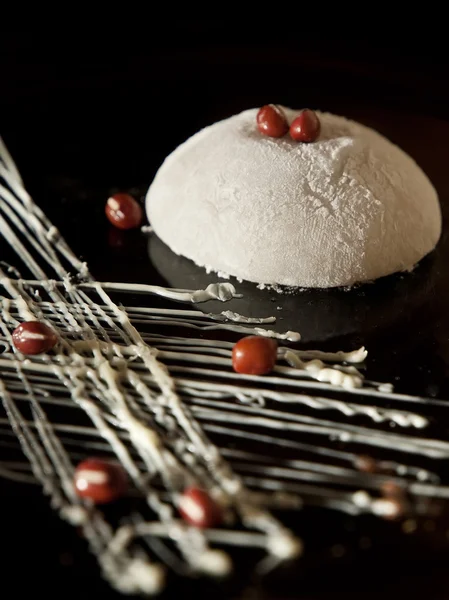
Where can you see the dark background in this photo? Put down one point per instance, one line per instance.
(88, 102)
(90, 112)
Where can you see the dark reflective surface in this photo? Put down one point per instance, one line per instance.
(318, 314)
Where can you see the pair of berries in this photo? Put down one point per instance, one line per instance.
(271, 121)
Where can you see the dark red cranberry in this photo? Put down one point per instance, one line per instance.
(306, 127)
(34, 337)
(395, 499)
(389, 509)
(100, 481)
(366, 464)
(272, 121)
(123, 211)
(390, 489)
(198, 509)
(254, 355)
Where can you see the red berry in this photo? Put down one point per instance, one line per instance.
(395, 500)
(389, 509)
(366, 464)
(100, 481)
(390, 490)
(198, 508)
(254, 355)
(123, 211)
(34, 337)
(272, 121)
(306, 127)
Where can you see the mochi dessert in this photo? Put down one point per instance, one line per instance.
(296, 198)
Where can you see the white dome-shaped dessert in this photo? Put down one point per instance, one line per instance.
(348, 208)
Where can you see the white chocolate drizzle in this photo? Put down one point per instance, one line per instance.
(166, 405)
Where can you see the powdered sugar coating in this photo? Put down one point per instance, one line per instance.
(350, 207)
